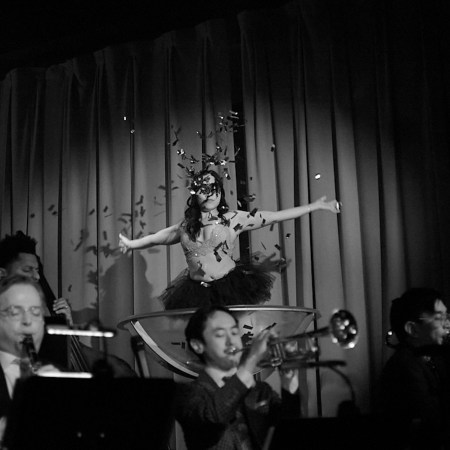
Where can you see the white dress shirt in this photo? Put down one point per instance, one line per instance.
(11, 368)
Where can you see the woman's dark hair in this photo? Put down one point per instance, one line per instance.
(192, 223)
(410, 307)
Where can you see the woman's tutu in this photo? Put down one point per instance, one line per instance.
(246, 284)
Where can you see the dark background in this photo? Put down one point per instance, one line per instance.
(39, 34)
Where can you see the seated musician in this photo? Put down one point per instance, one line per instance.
(21, 314)
(225, 407)
(18, 256)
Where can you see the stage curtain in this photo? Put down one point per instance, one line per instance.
(348, 100)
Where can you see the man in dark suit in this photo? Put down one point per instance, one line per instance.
(225, 407)
(415, 380)
(21, 315)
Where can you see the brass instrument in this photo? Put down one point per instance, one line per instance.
(302, 347)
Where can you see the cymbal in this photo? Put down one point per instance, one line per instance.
(163, 331)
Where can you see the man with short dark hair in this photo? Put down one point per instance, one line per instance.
(18, 256)
(225, 407)
(415, 380)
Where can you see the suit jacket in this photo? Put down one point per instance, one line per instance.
(209, 415)
(5, 399)
(415, 396)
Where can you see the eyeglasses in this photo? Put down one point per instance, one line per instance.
(440, 318)
(17, 312)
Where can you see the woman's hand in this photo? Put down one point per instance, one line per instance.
(334, 206)
(124, 243)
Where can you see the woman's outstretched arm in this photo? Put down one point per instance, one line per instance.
(259, 219)
(166, 236)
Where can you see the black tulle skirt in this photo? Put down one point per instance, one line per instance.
(246, 284)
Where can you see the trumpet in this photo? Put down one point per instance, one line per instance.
(342, 327)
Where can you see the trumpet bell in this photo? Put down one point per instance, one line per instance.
(343, 329)
(303, 347)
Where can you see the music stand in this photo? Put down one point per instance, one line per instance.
(91, 414)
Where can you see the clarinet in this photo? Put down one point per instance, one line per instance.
(29, 363)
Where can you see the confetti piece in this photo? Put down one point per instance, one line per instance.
(237, 227)
(277, 247)
(317, 176)
(272, 148)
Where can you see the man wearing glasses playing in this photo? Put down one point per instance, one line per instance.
(21, 315)
(415, 381)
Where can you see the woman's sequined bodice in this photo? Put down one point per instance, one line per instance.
(218, 244)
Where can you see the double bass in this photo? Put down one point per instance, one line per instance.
(70, 353)
(64, 350)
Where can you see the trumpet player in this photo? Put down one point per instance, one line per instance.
(21, 316)
(225, 407)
